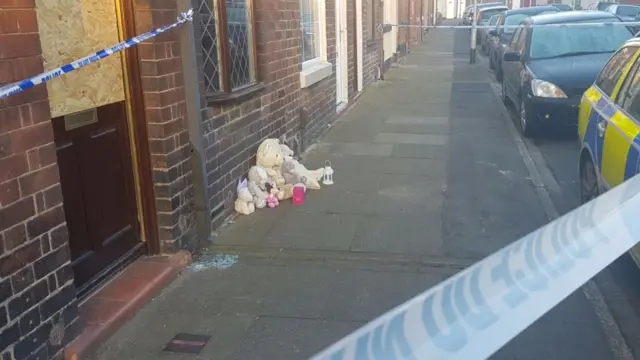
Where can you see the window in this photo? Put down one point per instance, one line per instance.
(627, 10)
(227, 38)
(629, 96)
(315, 66)
(608, 77)
(515, 37)
(371, 20)
(522, 41)
(312, 31)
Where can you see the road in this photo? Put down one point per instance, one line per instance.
(429, 179)
(555, 155)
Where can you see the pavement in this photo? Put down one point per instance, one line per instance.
(428, 180)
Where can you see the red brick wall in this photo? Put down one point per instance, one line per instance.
(235, 129)
(36, 280)
(164, 100)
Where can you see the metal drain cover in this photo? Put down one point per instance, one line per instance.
(187, 343)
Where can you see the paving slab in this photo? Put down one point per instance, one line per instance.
(418, 129)
(368, 166)
(354, 148)
(419, 233)
(402, 138)
(290, 338)
(363, 295)
(418, 120)
(313, 230)
(226, 332)
(420, 151)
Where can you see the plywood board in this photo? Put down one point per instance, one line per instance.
(72, 29)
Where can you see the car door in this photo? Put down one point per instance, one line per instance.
(603, 110)
(621, 143)
(511, 69)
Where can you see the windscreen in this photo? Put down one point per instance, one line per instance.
(603, 5)
(516, 19)
(487, 14)
(553, 42)
(493, 20)
(627, 10)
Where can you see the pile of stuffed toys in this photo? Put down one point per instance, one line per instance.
(274, 178)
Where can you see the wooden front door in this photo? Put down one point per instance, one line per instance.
(96, 174)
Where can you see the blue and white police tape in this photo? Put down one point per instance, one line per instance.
(95, 57)
(491, 27)
(476, 312)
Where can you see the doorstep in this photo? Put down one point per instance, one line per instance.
(117, 302)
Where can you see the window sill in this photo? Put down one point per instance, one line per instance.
(315, 73)
(238, 95)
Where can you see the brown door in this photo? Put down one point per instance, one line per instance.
(96, 174)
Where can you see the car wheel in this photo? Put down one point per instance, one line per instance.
(589, 189)
(528, 124)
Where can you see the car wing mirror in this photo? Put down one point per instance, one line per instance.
(511, 56)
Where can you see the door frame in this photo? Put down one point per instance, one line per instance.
(138, 135)
(342, 53)
(359, 45)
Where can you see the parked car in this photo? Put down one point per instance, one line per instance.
(562, 7)
(484, 33)
(484, 15)
(601, 5)
(608, 125)
(624, 12)
(468, 15)
(501, 36)
(546, 69)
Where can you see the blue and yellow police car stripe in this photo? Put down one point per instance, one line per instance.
(618, 152)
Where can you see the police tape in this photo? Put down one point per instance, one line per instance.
(20, 86)
(565, 25)
(476, 312)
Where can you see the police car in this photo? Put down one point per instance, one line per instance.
(609, 125)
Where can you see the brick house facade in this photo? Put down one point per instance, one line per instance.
(38, 293)
(282, 108)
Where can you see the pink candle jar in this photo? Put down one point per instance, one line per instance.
(298, 195)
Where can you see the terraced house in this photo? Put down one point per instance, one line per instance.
(112, 174)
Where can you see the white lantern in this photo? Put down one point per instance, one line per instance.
(327, 178)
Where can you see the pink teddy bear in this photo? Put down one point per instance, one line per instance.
(272, 201)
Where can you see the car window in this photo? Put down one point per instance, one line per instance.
(515, 37)
(522, 39)
(563, 6)
(602, 6)
(629, 97)
(553, 42)
(627, 10)
(610, 74)
(493, 20)
(516, 19)
(487, 14)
